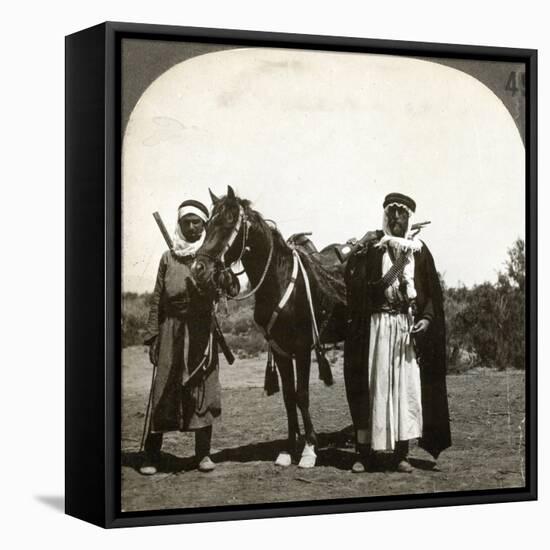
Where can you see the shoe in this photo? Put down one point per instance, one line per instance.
(148, 470)
(404, 466)
(358, 467)
(206, 465)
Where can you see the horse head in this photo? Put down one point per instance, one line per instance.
(224, 244)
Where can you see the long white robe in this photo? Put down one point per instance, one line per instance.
(394, 376)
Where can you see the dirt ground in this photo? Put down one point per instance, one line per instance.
(487, 412)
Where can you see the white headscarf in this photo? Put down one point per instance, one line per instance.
(182, 247)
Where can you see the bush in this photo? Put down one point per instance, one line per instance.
(241, 332)
(247, 345)
(486, 324)
(135, 311)
(237, 324)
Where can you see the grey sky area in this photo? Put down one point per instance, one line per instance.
(316, 140)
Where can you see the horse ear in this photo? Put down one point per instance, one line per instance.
(230, 193)
(213, 197)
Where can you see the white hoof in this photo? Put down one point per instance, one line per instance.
(283, 460)
(308, 457)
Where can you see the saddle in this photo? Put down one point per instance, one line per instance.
(326, 273)
(328, 257)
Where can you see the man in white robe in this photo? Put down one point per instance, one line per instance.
(383, 377)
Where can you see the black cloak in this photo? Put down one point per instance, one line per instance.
(364, 267)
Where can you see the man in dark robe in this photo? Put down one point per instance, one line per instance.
(395, 362)
(180, 338)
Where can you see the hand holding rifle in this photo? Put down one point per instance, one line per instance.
(354, 245)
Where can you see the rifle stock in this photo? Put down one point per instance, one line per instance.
(222, 343)
(344, 251)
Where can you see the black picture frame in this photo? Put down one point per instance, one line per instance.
(93, 238)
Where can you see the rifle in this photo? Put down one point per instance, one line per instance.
(345, 250)
(223, 344)
(163, 230)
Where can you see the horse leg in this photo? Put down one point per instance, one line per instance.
(286, 370)
(303, 364)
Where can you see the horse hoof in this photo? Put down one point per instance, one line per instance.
(308, 457)
(283, 460)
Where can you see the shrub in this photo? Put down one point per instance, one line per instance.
(486, 324)
(237, 324)
(135, 311)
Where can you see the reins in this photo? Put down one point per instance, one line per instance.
(263, 276)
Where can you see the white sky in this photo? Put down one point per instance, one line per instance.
(316, 140)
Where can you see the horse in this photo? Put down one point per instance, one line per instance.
(291, 303)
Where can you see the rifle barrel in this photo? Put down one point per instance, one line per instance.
(163, 230)
(419, 225)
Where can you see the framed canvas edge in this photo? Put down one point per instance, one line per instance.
(340, 43)
(85, 421)
(115, 31)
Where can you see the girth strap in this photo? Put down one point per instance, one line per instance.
(286, 296)
(297, 265)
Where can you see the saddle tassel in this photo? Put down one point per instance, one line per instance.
(325, 372)
(271, 382)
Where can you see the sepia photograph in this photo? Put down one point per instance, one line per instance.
(323, 275)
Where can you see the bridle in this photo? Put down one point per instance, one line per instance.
(242, 220)
(219, 261)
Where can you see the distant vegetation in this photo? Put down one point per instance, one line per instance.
(135, 311)
(485, 323)
(236, 321)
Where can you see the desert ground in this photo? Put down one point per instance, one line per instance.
(487, 423)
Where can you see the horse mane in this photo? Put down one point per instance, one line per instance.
(254, 216)
(327, 284)
(257, 218)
